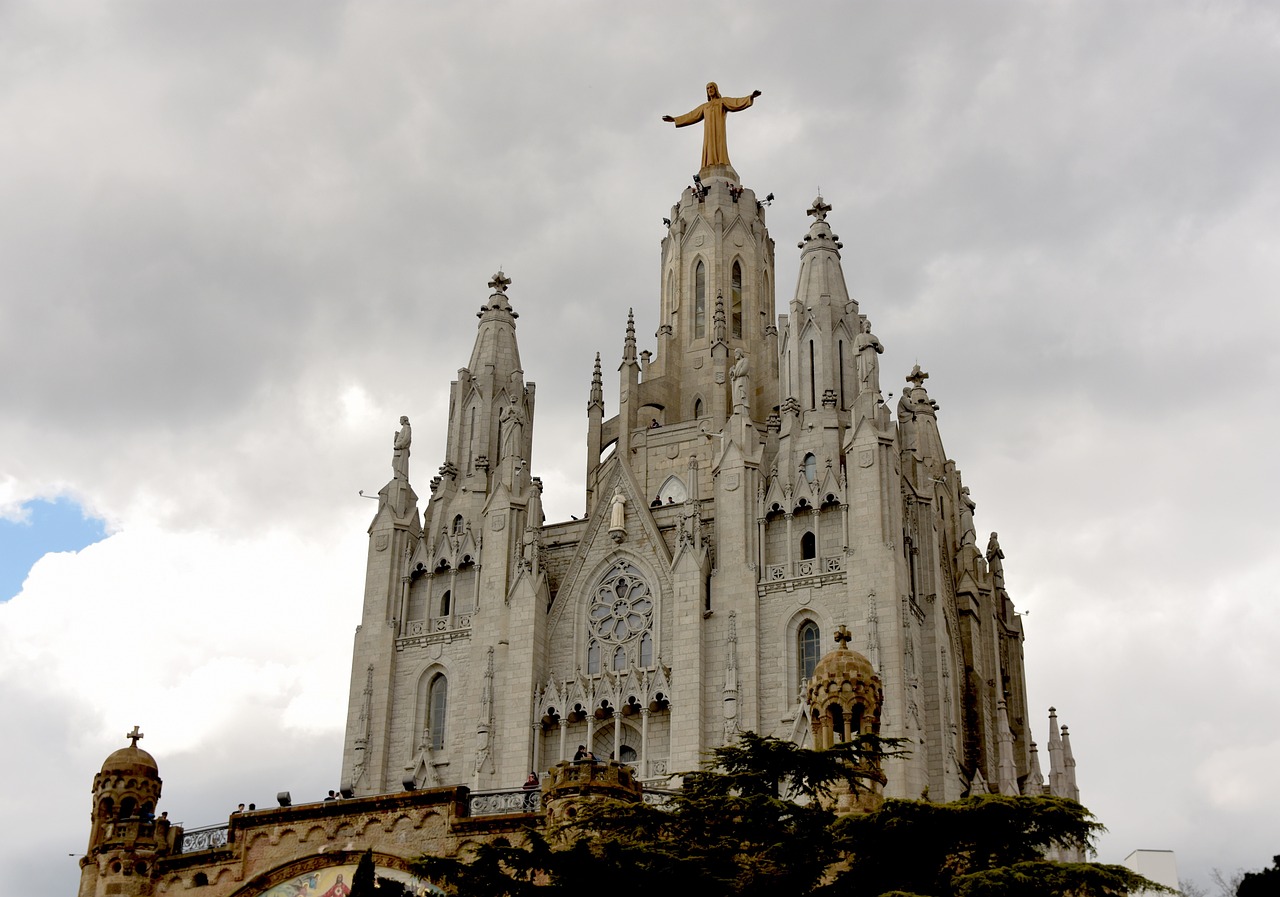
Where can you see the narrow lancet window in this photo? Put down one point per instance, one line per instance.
(437, 704)
(699, 301)
(735, 302)
(810, 639)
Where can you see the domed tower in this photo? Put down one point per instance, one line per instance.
(125, 838)
(844, 695)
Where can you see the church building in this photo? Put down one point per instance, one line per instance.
(766, 545)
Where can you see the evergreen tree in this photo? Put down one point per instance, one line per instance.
(754, 821)
(363, 882)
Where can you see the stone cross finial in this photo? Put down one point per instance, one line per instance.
(500, 283)
(819, 209)
(917, 376)
(134, 736)
(843, 636)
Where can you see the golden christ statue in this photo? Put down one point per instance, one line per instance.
(715, 148)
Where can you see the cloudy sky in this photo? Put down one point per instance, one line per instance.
(239, 239)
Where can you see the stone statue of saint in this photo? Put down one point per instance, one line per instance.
(740, 374)
(968, 535)
(868, 346)
(511, 424)
(617, 510)
(995, 561)
(400, 450)
(715, 148)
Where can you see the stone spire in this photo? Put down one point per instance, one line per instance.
(595, 430)
(597, 386)
(822, 327)
(629, 344)
(1069, 766)
(1034, 784)
(1008, 772)
(629, 400)
(1057, 762)
(491, 407)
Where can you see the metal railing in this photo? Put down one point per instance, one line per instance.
(210, 837)
(504, 803)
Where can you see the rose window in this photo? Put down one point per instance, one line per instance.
(622, 608)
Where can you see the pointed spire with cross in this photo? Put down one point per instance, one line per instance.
(134, 736)
(843, 636)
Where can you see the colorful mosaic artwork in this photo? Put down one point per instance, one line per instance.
(335, 881)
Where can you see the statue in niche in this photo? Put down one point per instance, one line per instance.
(400, 449)
(511, 425)
(968, 535)
(740, 374)
(995, 561)
(868, 346)
(617, 510)
(712, 114)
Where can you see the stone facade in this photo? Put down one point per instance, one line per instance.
(752, 493)
(752, 496)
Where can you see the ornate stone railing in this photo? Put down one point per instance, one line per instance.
(207, 838)
(435, 630)
(805, 568)
(504, 803)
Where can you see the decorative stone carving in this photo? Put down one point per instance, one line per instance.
(868, 347)
(511, 423)
(400, 450)
(741, 374)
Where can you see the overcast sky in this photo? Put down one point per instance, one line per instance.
(239, 239)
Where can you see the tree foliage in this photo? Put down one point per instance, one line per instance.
(754, 821)
(1265, 883)
(363, 882)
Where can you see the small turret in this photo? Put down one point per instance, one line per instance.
(125, 837)
(844, 697)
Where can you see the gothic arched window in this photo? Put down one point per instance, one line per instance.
(458, 525)
(699, 301)
(735, 300)
(808, 547)
(810, 467)
(808, 640)
(672, 491)
(620, 617)
(697, 408)
(445, 601)
(437, 707)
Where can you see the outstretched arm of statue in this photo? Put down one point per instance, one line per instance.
(737, 104)
(688, 118)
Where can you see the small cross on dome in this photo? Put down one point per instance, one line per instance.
(843, 636)
(134, 736)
